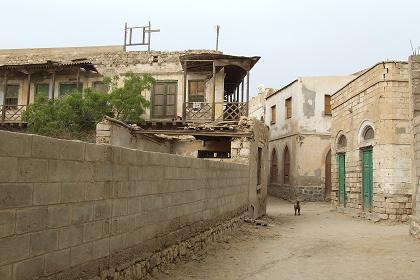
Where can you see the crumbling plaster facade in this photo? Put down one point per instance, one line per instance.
(112, 61)
(306, 134)
(378, 99)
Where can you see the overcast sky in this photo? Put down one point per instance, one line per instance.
(293, 37)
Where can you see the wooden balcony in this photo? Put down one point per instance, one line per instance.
(222, 111)
(11, 114)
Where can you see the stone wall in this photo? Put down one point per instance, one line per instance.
(414, 71)
(73, 210)
(378, 98)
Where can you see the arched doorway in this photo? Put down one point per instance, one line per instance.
(274, 167)
(286, 166)
(328, 176)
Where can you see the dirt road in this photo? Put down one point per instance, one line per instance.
(319, 244)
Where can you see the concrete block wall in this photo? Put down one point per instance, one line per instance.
(73, 210)
(378, 97)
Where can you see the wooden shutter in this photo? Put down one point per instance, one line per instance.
(327, 105)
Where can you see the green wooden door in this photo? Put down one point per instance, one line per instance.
(367, 178)
(341, 160)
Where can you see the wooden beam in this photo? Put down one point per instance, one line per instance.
(247, 93)
(53, 85)
(193, 133)
(242, 93)
(214, 93)
(184, 106)
(3, 111)
(28, 93)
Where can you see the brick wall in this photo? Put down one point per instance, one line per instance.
(73, 210)
(379, 98)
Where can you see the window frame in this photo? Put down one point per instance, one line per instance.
(327, 105)
(288, 108)
(6, 98)
(36, 94)
(286, 166)
(78, 88)
(273, 116)
(196, 93)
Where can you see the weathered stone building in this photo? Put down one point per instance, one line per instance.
(414, 87)
(257, 103)
(372, 144)
(298, 116)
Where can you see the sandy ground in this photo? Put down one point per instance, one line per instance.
(319, 244)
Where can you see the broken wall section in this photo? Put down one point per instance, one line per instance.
(74, 210)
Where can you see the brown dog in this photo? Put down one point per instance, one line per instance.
(297, 207)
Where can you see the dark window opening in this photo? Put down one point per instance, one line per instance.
(67, 88)
(368, 134)
(286, 166)
(212, 154)
(196, 91)
(288, 108)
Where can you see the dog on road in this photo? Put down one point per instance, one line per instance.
(297, 207)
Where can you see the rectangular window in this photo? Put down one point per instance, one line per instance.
(196, 91)
(273, 114)
(101, 87)
(327, 105)
(288, 108)
(66, 88)
(259, 156)
(163, 99)
(11, 98)
(42, 89)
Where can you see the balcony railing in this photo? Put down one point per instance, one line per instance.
(11, 113)
(224, 111)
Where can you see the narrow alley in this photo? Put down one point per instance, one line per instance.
(319, 244)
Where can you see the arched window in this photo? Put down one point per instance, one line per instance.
(286, 166)
(368, 133)
(274, 167)
(342, 142)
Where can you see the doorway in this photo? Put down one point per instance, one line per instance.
(327, 191)
(341, 160)
(367, 178)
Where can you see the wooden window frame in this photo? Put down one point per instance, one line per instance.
(288, 108)
(327, 105)
(37, 89)
(191, 94)
(6, 98)
(152, 93)
(273, 116)
(274, 174)
(78, 88)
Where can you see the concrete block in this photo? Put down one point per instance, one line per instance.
(70, 236)
(51, 148)
(29, 269)
(82, 212)
(7, 223)
(46, 193)
(6, 272)
(31, 219)
(81, 254)
(32, 170)
(102, 209)
(73, 192)
(103, 171)
(117, 242)
(95, 152)
(92, 231)
(59, 215)
(101, 248)
(119, 207)
(43, 241)
(15, 195)
(14, 249)
(15, 144)
(119, 172)
(57, 261)
(8, 170)
(134, 205)
(98, 190)
(70, 171)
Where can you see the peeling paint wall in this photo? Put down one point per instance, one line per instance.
(306, 135)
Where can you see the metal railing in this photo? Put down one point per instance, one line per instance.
(226, 111)
(11, 113)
